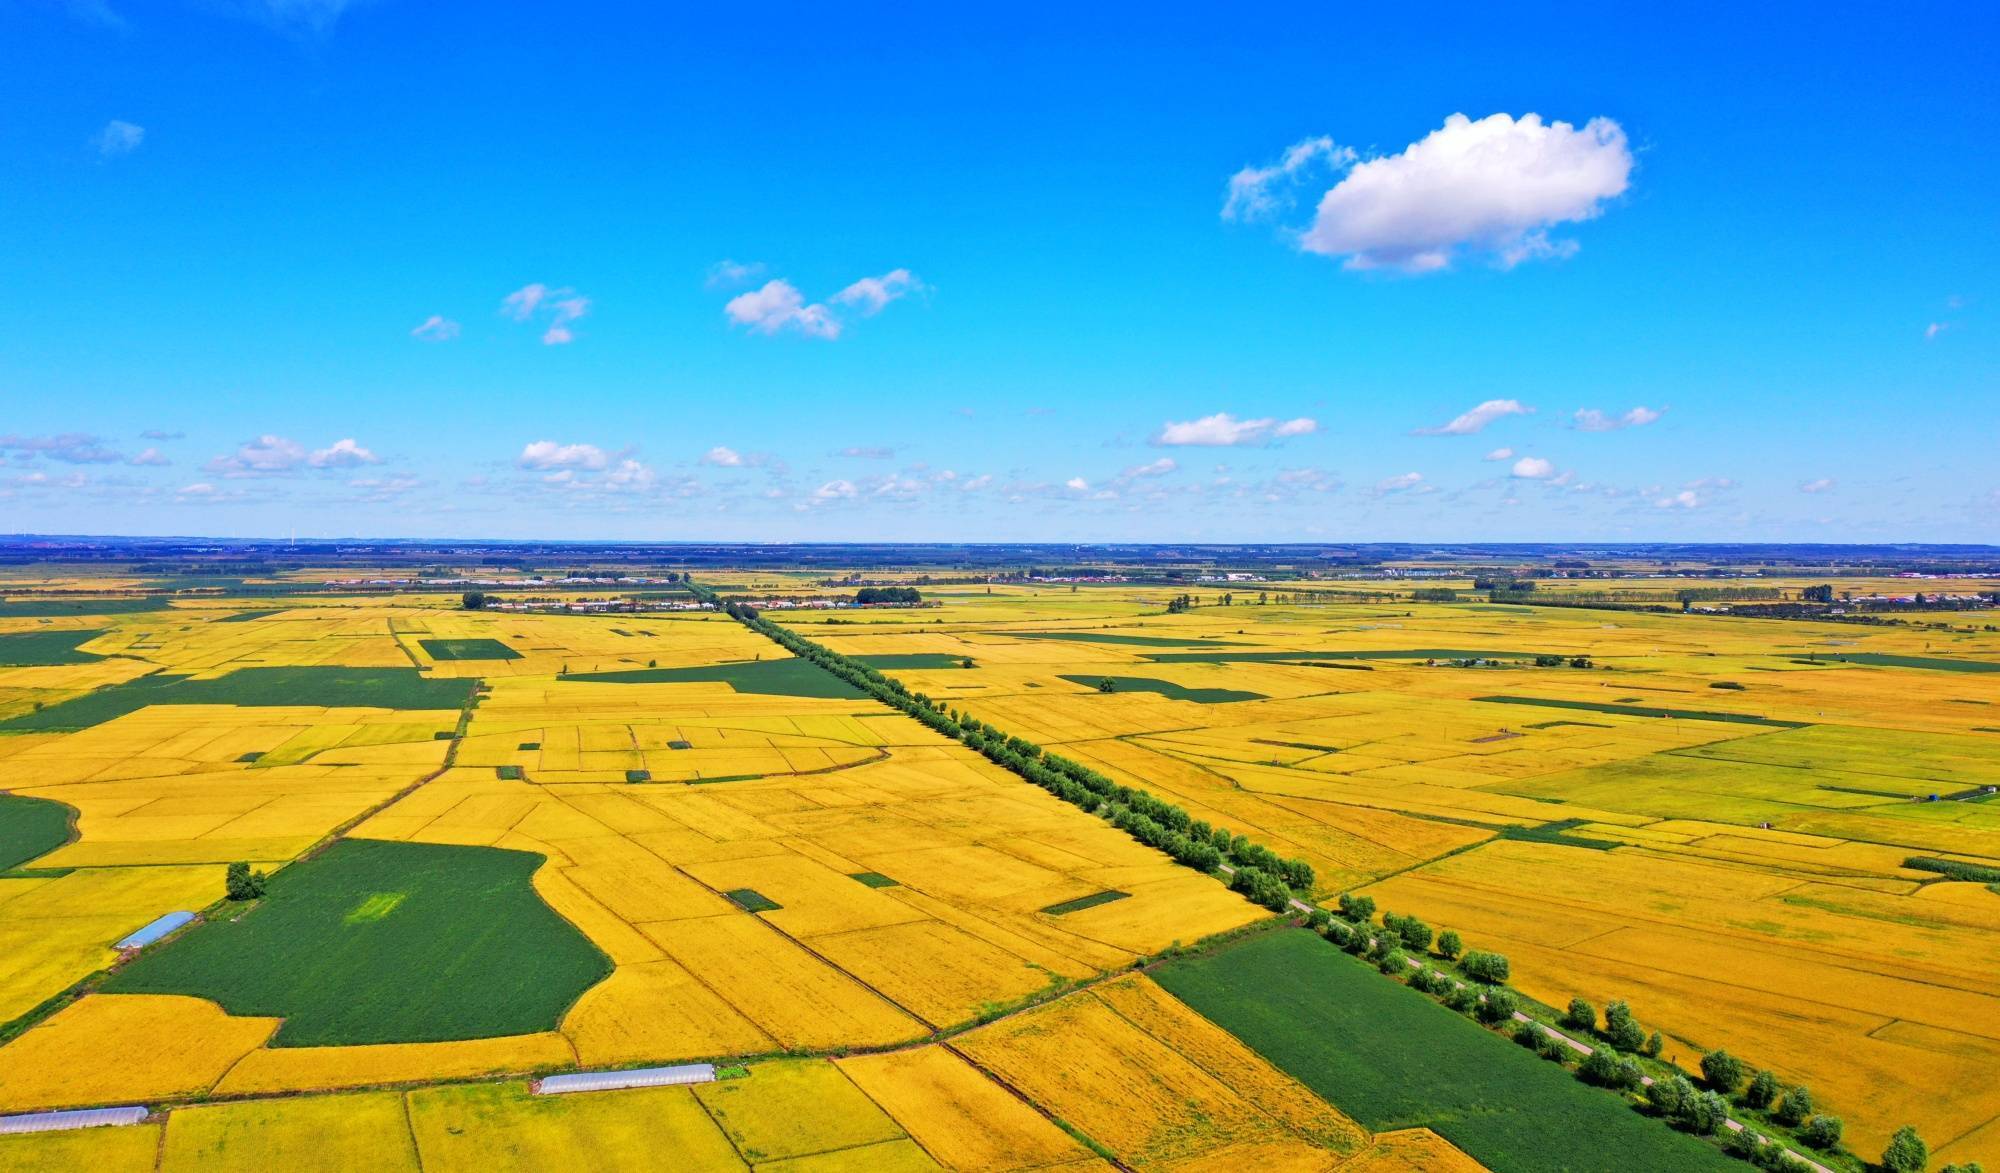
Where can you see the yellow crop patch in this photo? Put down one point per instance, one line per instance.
(298, 1132)
(122, 1049)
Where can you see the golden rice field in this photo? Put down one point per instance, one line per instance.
(1741, 884)
(1740, 881)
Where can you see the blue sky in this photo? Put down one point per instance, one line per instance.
(797, 272)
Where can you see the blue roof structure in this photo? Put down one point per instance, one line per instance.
(155, 930)
(603, 1081)
(77, 1118)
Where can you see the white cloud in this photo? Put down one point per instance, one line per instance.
(835, 491)
(436, 328)
(1257, 192)
(69, 448)
(159, 434)
(630, 476)
(1534, 468)
(778, 305)
(874, 293)
(1476, 420)
(1590, 419)
(1493, 187)
(725, 274)
(343, 454)
(1685, 499)
(867, 452)
(267, 455)
(1156, 468)
(547, 454)
(1077, 484)
(118, 138)
(1223, 430)
(1398, 484)
(151, 457)
(1500, 454)
(1936, 328)
(564, 307)
(723, 457)
(1820, 485)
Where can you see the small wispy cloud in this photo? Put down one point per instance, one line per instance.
(342, 454)
(727, 274)
(1475, 421)
(118, 138)
(560, 309)
(1401, 483)
(1534, 468)
(548, 454)
(873, 294)
(436, 328)
(1590, 419)
(1223, 430)
(866, 452)
(1500, 454)
(1258, 192)
(1817, 485)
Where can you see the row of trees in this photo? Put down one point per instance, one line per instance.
(869, 596)
(1258, 872)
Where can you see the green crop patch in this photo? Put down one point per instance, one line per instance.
(1644, 711)
(382, 942)
(30, 827)
(62, 608)
(1557, 833)
(751, 900)
(247, 616)
(787, 677)
(638, 775)
(912, 660)
(1083, 902)
(34, 649)
(1168, 689)
(1888, 660)
(1107, 637)
(468, 649)
(529, 745)
(874, 879)
(1371, 654)
(374, 688)
(507, 773)
(373, 908)
(1568, 725)
(1392, 1058)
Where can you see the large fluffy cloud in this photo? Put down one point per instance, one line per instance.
(778, 305)
(1492, 187)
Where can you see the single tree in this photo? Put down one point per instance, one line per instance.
(1107, 685)
(1822, 1132)
(1483, 966)
(1907, 1152)
(1449, 945)
(472, 600)
(1762, 1091)
(1795, 1107)
(1654, 1045)
(240, 883)
(1722, 1072)
(1581, 1015)
(1670, 1096)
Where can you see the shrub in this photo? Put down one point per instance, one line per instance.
(1358, 940)
(1462, 998)
(1963, 1167)
(1599, 1067)
(1704, 1113)
(243, 884)
(1670, 1096)
(1654, 1045)
(1762, 1091)
(1430, 981)
(1581, 1015)
(1795, 1107)
(1392, 962)
(1740, 1143)
(1822, 1132)
(1552, 1048)
(1449, 946)
(1528, 1034)
(1357, 908)
(1481, 966)
(1319, 919)
(1629, 1075)
(1497, 1007)
(1907, 1152)
(1622, 1030)
(1721, 1071)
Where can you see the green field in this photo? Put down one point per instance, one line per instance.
(30, 827)
(912, 660)
(60, 608)
(874, 880)
(1137, 641)
(787, 677)
(1383, 654)
(1887, 660)
(1168, 689)
(245, 616)
(1643, 711)
(37, 648)
(1392, 1058)
(1083, 902)
(468, 649)
(377, 688)
(751, 900)
(381, 942)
